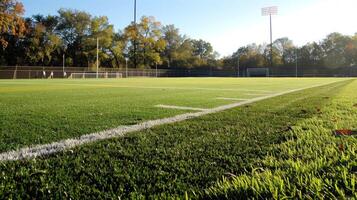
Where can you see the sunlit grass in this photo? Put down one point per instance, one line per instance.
(43, 111)
(280, 147)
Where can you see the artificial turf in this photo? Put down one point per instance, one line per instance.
(43, 111)
(280, 147)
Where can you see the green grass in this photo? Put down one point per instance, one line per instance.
(277, 148)
(44, 111)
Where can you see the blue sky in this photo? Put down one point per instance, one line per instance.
(227, 24)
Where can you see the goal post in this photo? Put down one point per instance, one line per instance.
(258, 72)
(91, 75)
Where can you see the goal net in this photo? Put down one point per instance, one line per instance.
(258, 72)
(86, 75)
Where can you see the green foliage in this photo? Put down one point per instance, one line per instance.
(333, 52)
(11, 21)
(148, 44)
(74, 33)
(42, 42)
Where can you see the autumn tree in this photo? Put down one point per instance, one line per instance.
(117, 49)
(146, 42)
(174, 40)
(11, 21)
(103, 31)
(73, 28)
(334, 46)
(285, 49)
(42, 41)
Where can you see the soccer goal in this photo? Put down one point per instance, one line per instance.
(258, 72)
(87, 75)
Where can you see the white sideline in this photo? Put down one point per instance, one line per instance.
(180, 107)
(169, 88)
(251, 94)
(47, 149)
(231, 99)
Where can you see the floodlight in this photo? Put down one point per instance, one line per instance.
(273, 10)
(269, 11)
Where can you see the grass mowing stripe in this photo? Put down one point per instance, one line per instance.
(47, 149)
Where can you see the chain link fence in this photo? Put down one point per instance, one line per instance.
(37, 72)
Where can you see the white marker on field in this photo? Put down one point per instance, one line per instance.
(252, 94)
(180, 107)
(52, 148)
(231, 99)
(170, 88)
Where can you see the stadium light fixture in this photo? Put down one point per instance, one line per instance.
(269, 11)
(135, 62)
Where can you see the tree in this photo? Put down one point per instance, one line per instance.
(11, 21)
(173, 40)
(73, 28)
(117, 49)
(42, 41)
(103, 31)
(284, 48)
(146, 42)
(334, 47)
(351, 51)
(202, 49)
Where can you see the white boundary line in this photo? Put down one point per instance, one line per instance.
(47, 149)
(231, 99)
(180, 107)
(154, 87)
(170, 88)
(251, 94)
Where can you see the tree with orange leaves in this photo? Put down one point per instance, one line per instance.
(11, 21)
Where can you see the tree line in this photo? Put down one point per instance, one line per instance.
(335, 51)
(71, 37)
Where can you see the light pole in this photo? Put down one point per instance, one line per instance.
(64, 58)
(238, 66)
(135, 11)
(97, 56)
(126, 67)
(135, 61)
(269, 11)
(296, 62)
(156, 69)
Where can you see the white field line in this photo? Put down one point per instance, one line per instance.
(180, 107)
(171, 88)
(47, 149)
(156, 87)
(251, 94)
(231, 99)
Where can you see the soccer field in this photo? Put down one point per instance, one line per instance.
(44, 111)
(186, 137)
